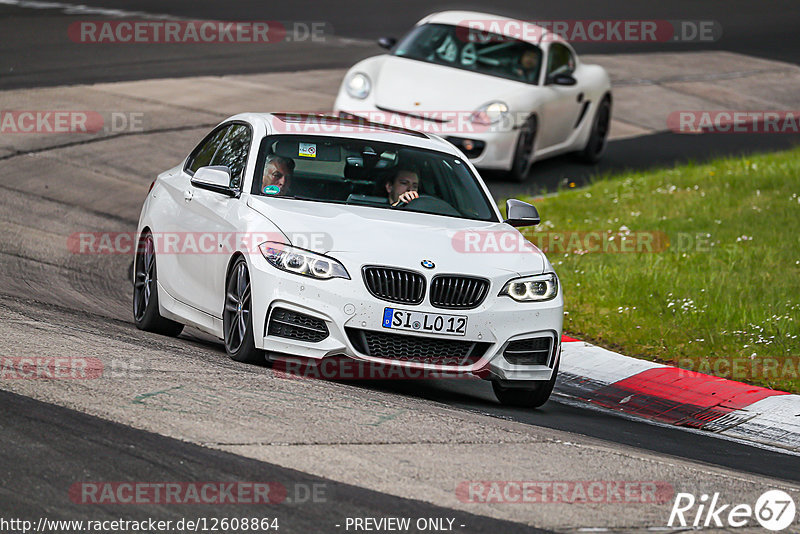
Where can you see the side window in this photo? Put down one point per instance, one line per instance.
(559, 60)
(201, 156)
(232, 152)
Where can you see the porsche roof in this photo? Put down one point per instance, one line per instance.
(506, 26)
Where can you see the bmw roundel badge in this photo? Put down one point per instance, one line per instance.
(428, 264)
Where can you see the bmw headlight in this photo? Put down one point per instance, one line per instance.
(490, 113)
(303, 262)
(358, 85)
(532, 288)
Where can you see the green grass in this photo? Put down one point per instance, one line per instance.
(723, 298)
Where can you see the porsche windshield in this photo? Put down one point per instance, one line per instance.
(473, 50)
(367, 173)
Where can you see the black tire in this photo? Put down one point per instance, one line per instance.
(526, 397)
(523, 152)
(145, 291)
(237, 317)
(598, 139)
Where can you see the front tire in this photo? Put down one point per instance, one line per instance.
(145, 291)
(526, 397)
(598, 139)
(523, 153)
(237, 316)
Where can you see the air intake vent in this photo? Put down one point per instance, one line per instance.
(394, 285)
(458, 292)
(416, 349)
(293, 325)
(533, 351)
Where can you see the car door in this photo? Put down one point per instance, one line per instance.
(212, 219)
(170, 235)
(561, 103)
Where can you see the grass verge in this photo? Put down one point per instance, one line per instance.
(718, 289)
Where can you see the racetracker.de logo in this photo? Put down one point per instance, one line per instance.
(104, 243)
(736, 121)
(348, 369)
(588, 30)
(195, 32)
(439, 122)
(70, 122)
(50, 122)
(512, 242)
(564, 492)
(49, 368)
(177, 493)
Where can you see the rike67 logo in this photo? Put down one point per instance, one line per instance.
(774, 510)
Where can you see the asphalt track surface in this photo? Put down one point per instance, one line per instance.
(40, 437)
(66, 445)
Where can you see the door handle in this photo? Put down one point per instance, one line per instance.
(188, 195)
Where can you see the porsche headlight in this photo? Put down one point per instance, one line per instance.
(532, 288)
(358, 85)
(490, 113)
(303, 262)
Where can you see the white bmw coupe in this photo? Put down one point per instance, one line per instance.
(314, 237)
(504, 91)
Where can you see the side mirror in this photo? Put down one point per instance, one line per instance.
(387, 42)
(562, 79)
(216, 178)
(519, 213)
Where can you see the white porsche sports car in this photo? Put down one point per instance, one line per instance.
(316, 237)
(505, 92)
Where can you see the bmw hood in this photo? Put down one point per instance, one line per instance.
(407, 85)
(359, 235)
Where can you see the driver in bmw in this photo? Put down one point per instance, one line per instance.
(277, 173)
(402, 186)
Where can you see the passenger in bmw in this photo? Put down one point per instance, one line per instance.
(277, 174)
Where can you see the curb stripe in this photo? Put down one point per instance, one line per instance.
(679, 397)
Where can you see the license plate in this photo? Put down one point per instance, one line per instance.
(432, 323)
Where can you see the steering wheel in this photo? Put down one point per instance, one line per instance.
(429, 204)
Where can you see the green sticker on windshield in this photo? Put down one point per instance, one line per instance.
(272, 190)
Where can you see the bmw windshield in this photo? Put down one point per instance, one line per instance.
(367, 173)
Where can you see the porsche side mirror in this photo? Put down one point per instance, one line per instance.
(387, 42)
(562, 79)
(521, 213)
(216, 178)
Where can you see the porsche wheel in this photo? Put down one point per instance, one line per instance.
(598, 139)
(523, 153)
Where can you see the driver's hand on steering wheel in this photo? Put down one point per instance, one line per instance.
(406, 197)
